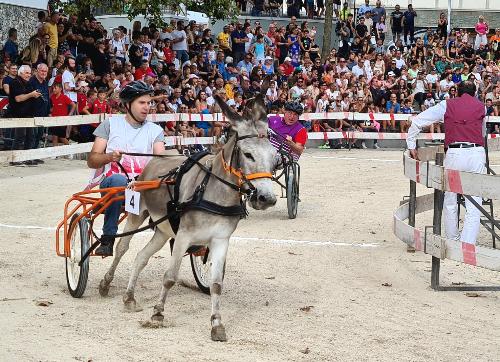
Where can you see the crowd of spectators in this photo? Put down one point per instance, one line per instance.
(75, 66)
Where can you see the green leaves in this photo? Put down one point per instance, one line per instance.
(152, 9)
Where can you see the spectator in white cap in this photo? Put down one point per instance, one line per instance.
(287, 66)
(268, 66)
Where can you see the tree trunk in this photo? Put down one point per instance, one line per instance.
(327, 31)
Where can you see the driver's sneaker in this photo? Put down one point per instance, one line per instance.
(106, 247)
(363, 145)
(376, 146)
(324, 146)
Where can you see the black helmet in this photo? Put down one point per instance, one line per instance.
(134, 90)
(294, 107)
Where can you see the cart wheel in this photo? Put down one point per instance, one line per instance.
(292, 190)
(76, 276)
(200, 265)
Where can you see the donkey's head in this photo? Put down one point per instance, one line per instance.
(249, 150)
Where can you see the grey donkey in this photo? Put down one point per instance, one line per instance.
(255, 155)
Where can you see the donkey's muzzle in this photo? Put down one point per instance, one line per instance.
(262, 200)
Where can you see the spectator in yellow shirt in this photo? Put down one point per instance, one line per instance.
(229, 87)
(50, 28)
(223, 40)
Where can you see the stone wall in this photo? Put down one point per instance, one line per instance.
(21, 18)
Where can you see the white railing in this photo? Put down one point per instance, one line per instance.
(23, 155)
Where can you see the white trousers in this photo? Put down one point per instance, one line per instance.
(469, 160)
(480, 39)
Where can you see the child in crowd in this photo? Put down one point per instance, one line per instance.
(61, 106)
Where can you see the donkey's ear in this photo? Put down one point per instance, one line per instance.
(255, 109)
(227, 111)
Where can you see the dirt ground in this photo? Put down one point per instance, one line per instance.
(334, 284)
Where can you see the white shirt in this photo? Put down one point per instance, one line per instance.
(431, 78)
(272, 94)
(358, 71)
(400, 63)
(146, 48)
(120, 47)
(321, 106)
(249, 42)
(445, 85)
(68, 77)
(182, 45)
(419, 87)
(426, 118)
(332, 95)
(296, 92)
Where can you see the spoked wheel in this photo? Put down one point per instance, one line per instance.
(292, 189)
(76, 276)
(200, 265)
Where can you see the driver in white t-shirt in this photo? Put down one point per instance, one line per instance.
(118, 135)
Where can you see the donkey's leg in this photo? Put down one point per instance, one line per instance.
(141, 260)
(133, 222)
(218, 251)
(170, 277)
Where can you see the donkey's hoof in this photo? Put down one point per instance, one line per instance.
(131, 306)
(218, 333)
(157, 318)
(103, 288)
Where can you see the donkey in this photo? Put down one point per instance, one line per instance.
(249, 145)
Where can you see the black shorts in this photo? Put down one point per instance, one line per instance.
(58, 131)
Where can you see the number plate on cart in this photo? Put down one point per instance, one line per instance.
(132, 201)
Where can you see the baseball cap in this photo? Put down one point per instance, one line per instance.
(288, 59)
(391, 74)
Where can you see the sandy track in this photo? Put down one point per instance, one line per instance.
(347, 200)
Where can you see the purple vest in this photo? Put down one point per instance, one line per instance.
(278, 125)
(463, 120)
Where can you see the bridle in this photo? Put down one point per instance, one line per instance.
(244, 186)
(243, 179)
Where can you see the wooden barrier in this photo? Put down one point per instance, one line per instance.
(438, 246)
(23, 155)
(427, 172)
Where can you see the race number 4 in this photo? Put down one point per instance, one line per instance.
(132, 201)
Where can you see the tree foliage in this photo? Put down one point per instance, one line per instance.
(151, 9)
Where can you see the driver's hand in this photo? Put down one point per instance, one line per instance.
(116, 156)
(289, 139)
(414, 154)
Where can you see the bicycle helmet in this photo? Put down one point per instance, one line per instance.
(134, 90)
(294, 107)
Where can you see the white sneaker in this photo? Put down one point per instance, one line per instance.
(363, 146)
(376, 146)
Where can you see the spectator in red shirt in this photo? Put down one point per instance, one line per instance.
(143, 70)
(168, 52)
(61, 106)
(101, 105)
(287, 66)
(81, 98)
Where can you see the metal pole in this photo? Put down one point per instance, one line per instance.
(436, 222)
(488, 171)
(412, 204)
(449, 17)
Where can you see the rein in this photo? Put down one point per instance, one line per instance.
(243, 179)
